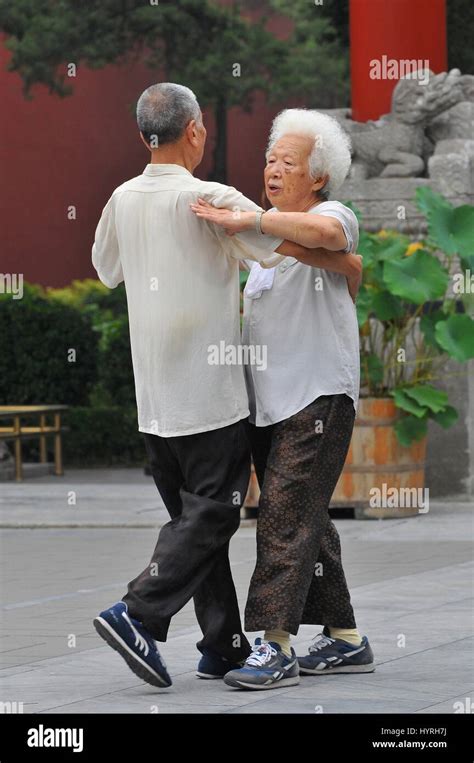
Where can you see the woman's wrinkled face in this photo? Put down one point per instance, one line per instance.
(288, 183)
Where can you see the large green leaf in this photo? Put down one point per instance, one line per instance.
(451, 230)
(366, 247)
(418, 278)
(463, 233)
(393, 247)
(363, 305)
(428, 326)
(430, 397)
(429, 201)
(410, 429)
(375, 275)
(372, 370)
(405, 403)
(446, 418)
(386, 306)
(456, 336)
(440, 230)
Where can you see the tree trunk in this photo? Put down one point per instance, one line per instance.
(218, 172)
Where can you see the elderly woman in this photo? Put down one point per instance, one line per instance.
(302, 406)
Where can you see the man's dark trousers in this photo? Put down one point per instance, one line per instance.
(202, 479)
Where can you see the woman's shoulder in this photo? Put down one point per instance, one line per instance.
(337, 209)
(331, 205)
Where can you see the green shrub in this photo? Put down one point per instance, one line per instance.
(79, 293)
(102, 436)
(116, 384)
(107, 311)
(91, 297)
(38, 340)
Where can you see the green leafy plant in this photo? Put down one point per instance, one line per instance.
(91, 298)
(102, 435)
(415, 313)
(106, 310)
(38, 335)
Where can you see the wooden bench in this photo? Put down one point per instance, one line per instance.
(18, 432)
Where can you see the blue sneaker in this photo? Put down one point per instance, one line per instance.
(133, 642)
(266, 668)
(213, 665)
(333, 655)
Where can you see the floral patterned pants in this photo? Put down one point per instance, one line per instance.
(298, 576)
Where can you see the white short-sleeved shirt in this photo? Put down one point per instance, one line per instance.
(308, 324)
(181, 276)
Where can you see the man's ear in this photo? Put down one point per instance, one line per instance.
(191, 132)
(144, 141)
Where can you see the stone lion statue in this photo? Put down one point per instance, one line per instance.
(426, 108)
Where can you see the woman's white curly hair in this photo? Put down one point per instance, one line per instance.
(331, 154)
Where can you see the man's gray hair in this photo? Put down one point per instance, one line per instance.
(331, 153)
(164, 110)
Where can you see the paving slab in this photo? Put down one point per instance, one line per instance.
(411, 583)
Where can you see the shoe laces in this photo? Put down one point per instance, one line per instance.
(260, 655)
(320, 641)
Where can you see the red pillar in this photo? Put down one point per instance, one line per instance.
(385, 30)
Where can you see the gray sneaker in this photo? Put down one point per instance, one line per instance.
(266, 668)
(332, 655)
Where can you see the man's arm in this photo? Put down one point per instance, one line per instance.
(337, 262)
(105, 250)
(349, 265)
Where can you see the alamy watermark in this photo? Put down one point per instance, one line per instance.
(49, 737)
(463, 283)
(12, 283)
(393, 68)
(400, 498)
(223, 354)
(9, 707)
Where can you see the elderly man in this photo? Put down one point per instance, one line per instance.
(181, 278)
(302, 407)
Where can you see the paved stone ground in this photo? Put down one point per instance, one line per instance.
(411, 581)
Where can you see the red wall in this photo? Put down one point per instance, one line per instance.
(74, 151)
(398, 29)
